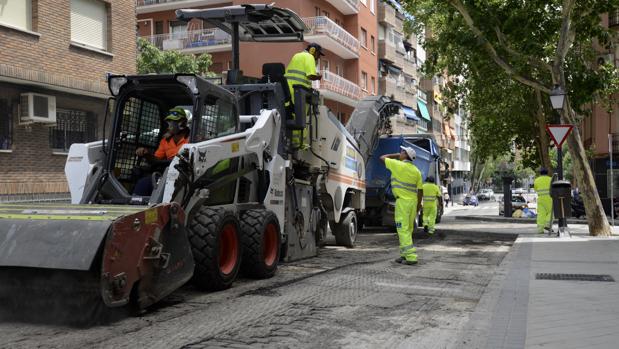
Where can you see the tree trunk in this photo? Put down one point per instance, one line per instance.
(544, 142)
(473, 174)
(596, 218)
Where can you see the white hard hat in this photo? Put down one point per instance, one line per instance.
(412, 154)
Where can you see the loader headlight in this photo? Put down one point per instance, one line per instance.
(189, 81)
(115, 83)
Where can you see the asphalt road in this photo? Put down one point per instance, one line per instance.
(342, 298)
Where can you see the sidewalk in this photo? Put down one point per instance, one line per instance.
(519, 310)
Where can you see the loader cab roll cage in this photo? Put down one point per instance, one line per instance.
(142, 103)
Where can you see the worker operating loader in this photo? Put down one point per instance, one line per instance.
(431, 194)
(406, 185)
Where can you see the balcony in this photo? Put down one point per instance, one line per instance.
(148, 6)
(389, 87)
(388, 15)
(335, 87)
(615, 143)
(193, 41)
(332, 37)
(346, 7)
(613, 19)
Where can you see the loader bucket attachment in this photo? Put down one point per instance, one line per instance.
(126, 251)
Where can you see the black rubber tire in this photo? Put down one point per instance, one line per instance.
(204, 233)
(344, 234)
(254, 225)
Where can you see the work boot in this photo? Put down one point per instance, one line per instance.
(399, 260)
(409, 262)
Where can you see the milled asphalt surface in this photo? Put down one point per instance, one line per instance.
(475, 289)
(342, 298)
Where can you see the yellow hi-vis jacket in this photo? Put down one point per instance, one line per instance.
(405, 179)
(542, 186)
(301, 65)
(431, 192)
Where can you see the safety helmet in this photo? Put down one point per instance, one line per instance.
(430, 179)
(176, 114)
(314, 47)
(412, 154)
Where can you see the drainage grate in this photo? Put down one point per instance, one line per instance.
(574, 277)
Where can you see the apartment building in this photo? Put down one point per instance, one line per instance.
(399, 57)
(596, 128)
(346, 29)
(53, 64)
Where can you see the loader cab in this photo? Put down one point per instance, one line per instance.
(142, 103)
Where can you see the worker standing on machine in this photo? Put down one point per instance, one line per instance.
(431, 194)
(302, 71)
(407, 187)
(544, 201)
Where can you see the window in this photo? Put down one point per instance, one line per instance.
(89, 23)
(372, 43)
(317, 11)
(364, 81)
(218, 119)
(178, 29)
(16, 14)
(372, 6)
(72, 126)
(338, 70)
(373, 88)
(158, 27)
(325, 65)
(364, 38)
(6, 126)
(326, 14)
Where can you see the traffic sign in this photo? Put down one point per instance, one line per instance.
(559, 133)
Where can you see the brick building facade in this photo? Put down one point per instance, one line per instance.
(60, 50)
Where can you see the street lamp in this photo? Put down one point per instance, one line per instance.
(557, 97)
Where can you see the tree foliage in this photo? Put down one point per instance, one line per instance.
(153, 60)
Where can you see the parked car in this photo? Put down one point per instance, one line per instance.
(486, 194)
(518, 203)
(470, 199)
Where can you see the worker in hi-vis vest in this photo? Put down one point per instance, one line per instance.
(302, 71)
(406, 186)
(544, 201)
(431, 194)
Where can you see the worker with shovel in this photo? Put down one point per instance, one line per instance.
(406, 185)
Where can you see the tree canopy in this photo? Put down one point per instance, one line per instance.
(153, 60)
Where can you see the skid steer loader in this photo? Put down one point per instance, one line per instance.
(238, 195)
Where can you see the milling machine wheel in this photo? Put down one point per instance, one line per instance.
(261, 243)
(216, 246)
(346, 230)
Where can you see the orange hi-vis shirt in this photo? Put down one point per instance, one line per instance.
(168, 149)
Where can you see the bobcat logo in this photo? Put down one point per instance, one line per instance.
(201, 156)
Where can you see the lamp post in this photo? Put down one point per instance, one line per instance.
(557, 99)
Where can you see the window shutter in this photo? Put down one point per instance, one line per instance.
(16, 13)
(89, 23)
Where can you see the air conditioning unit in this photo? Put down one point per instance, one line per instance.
(39, 108)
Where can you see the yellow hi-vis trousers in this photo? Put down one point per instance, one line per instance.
(429, 217)
(405, 214)
(544, 210)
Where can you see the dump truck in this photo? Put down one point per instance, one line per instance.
(380, 203)
(238, 195)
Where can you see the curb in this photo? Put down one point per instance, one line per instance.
(512, 220)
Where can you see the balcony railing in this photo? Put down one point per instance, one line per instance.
(347, 7)
(325, 26)
(335, 83)
(193, 39)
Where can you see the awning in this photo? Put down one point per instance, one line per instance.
(424, 110)
(410, 113)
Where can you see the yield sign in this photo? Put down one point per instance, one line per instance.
(559, 133)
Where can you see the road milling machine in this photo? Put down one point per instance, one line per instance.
(238, 196)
